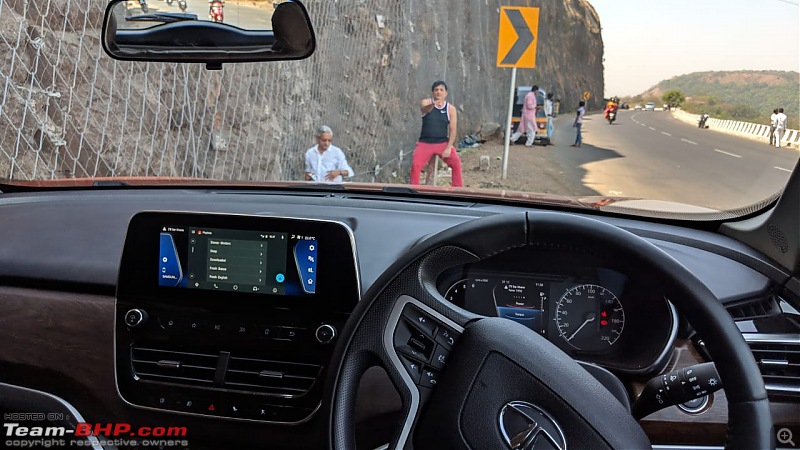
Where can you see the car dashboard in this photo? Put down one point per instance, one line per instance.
(106, 313)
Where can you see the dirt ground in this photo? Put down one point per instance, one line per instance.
(530, 169)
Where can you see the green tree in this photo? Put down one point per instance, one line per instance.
(673, 98)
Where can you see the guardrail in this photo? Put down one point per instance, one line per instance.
(748, 130)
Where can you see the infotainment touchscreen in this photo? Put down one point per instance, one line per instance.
(246, 261)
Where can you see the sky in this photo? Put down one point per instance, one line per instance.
(647, 41)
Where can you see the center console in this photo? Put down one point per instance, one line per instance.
(231, 316)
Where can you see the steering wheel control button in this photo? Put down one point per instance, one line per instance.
(413, 368)
(412, 353)
(429, 379)
(439, 357)
(446, 337)
(420, 320)
(412, 342)
(421, 343)
(135, 318)
(325, 334)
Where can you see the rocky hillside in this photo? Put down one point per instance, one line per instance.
(72, 111)
(747, 95)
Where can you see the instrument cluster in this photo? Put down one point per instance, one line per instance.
(596, 315)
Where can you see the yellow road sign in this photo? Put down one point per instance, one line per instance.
(587, 95)
(516, 40)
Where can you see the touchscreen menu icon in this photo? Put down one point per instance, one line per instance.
(305, 257)
(169, 266)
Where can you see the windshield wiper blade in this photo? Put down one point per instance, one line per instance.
(109, 183)
(162, 17)
(399, 190)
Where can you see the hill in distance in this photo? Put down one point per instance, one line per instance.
(746, 95)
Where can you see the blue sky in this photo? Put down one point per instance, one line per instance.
(647, 41)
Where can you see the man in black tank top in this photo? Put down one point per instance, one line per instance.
(439, 124)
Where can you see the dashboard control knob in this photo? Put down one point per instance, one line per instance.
(135, 318)
(325, 334)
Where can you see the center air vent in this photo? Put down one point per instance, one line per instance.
(195, 369)
(275, 377)
(240, 374)
(778, 358)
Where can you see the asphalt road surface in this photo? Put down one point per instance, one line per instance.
(653, 155)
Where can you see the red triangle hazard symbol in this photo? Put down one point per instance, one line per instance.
(211, 407)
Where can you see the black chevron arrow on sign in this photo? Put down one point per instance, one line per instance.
(524, 36)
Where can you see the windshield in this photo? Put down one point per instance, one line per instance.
(687, 106)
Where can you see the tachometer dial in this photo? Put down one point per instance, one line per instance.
(590, 317)
(457, 292)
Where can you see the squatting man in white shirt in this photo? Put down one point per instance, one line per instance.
(326, 162)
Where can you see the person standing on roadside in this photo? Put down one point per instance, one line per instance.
(527, 123)
(326, 162)
(772, 119)
(579, 123)
(780, 126)
(549, 107)
(439, 125)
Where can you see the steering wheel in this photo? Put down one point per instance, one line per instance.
(502, 385)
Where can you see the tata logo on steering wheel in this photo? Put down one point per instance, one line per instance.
(524, 426)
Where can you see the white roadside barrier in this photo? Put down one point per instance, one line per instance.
(748, 130)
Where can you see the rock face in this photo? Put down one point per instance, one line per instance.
(72, 111)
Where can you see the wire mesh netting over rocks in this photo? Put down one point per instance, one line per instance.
(69, 110)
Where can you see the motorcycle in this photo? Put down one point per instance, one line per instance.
(612, 116)
(215, 11)
(181, 5)
(701, 123)
(143, 5)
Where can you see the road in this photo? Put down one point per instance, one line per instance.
(653, 155)
(241, 13)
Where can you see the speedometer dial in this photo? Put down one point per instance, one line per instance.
(590, 317)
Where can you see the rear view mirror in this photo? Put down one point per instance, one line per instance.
(228, 31)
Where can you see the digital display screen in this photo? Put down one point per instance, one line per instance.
(522, 302)
(257, 262)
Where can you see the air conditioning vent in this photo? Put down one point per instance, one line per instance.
(755, 309)
(778, 357)
(274, 377)
(196, 369)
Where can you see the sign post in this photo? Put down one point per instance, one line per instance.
(516, 48)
